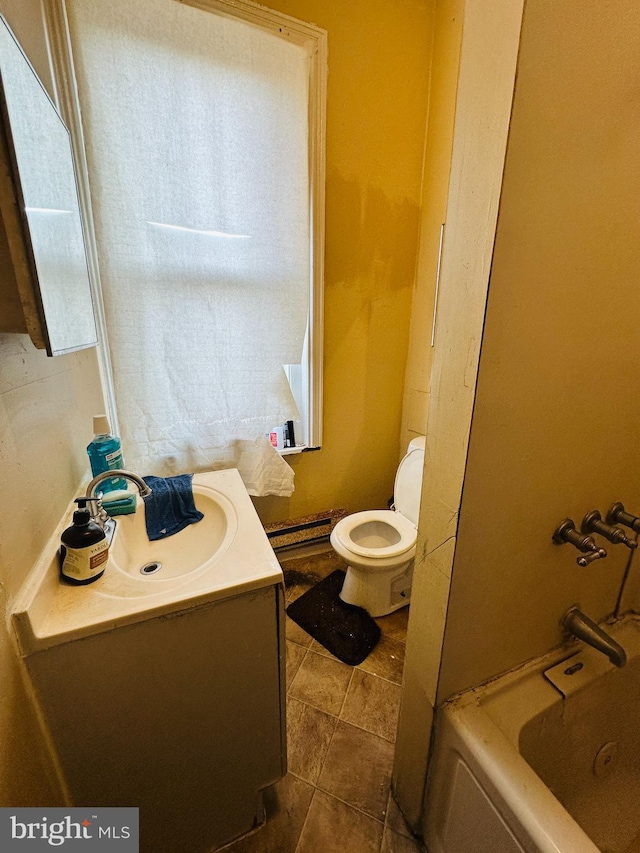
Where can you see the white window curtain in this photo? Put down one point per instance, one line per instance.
(196, 134)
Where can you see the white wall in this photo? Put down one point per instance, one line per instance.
(46, 406)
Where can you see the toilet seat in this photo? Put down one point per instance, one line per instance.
(376, 524)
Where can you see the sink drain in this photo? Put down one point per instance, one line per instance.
(150, 568)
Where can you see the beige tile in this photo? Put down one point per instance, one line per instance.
(321, 682)
(386, 660)
(286, 807)
(319, 649)
(296, 584)
(395, 624)
(296, 634)
(303, 573)
(373, 704)
(357, 769)
(295, 656)
(335, 827)
(394, 842)
(309, 733)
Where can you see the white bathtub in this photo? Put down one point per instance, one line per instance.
(518, 766)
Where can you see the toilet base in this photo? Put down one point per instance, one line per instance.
(378, 592)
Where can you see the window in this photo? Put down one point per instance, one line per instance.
(202, 125)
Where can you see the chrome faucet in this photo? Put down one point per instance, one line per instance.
(92, 488)
(101, 516)
(586, 630)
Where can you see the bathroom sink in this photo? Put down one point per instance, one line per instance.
(197, 545)
(222, 556)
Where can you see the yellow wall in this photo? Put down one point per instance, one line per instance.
(555, 426)
(435, 191)
(379, 59)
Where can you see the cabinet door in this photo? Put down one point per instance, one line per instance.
(180, 716)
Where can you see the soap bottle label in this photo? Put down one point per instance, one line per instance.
(82, 564)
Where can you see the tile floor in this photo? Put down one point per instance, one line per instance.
(341, 723)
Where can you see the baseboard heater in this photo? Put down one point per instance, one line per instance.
(310, 529)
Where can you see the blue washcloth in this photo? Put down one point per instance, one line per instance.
(170, 506)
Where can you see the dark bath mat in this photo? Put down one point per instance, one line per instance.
(348, 632)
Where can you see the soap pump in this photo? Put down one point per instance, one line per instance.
(84, 549)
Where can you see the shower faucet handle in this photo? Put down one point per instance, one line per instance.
(593, 523)
(566, 532)
(585, 559)
(618, 515)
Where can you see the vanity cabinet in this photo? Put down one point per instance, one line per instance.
(181, 715)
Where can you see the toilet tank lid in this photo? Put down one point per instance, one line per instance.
(408, 485)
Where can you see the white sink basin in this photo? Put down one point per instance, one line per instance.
(193, 548)
(223, 555)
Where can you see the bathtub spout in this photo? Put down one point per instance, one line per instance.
(582, 627)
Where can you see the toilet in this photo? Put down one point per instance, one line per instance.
(379, 545)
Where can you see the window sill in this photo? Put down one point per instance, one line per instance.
(301, 448)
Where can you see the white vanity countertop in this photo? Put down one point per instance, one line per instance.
(48, 612)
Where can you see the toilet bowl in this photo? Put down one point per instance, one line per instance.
(379, 545)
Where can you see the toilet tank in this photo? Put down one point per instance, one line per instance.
(417, 443)
(408, 484)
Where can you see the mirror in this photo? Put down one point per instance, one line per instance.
(40, 210)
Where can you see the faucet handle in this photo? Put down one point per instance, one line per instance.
(566, 532)
(593, 523)
(85, 499)
(99, 512)
(585, 559)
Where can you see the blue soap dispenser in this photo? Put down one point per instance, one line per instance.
(105, 454)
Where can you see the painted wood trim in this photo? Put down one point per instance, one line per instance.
(289, 28)
(483, 110)
(63, 73)
(317, 177)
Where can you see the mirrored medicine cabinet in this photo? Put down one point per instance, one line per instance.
(44, 280)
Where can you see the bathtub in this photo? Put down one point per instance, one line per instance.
(545, 759)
